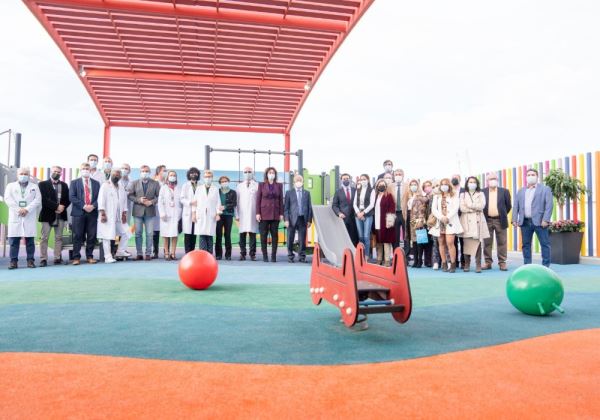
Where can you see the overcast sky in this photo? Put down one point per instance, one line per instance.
(437, 86)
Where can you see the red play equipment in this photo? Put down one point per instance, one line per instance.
(198, 270)
(349, 282)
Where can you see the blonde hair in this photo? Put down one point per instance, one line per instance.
(450, 189)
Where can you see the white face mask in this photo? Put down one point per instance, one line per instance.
(472, 186)
(388, 181)
(444, 188)
(532, 179)
(364, 183)
(225, 185)
(172, 178)
(248, 177)
(23, 179)
(414, 188)
(398, 178)
(107, 165)
(93, 163)
(493, 183)
(299, 185)
(271, 177)
(144, 175)
(85, 173)
(388, 168)
(208, 180)
(124, 172)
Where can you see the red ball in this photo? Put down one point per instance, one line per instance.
(198, 270)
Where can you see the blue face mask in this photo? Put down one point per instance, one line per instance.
(346, 182)
(23, 178)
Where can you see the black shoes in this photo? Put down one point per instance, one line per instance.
(13, 265)
(30, 264)
(290, 259)
(43, 263)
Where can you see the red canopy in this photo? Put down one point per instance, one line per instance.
(191, 64)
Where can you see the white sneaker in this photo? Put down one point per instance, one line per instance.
(123, 254)
(436, 266)
(109, 260)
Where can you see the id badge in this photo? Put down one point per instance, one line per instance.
(22, 204)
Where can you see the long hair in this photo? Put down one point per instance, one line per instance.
(266, 179)
(467, 183)
(447, 182)
(189, 171)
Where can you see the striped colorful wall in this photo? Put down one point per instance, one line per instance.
(585, 167)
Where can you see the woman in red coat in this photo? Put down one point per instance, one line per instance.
(385, 214)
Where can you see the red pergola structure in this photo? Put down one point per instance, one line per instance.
(225, 65)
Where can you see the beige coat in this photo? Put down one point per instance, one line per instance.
(472, 218)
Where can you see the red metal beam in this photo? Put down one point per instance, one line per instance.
(211, 13)
(286, 159)
(106, 151)
(199, 127)
(173, 77)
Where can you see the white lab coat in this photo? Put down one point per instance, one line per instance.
(169, 205)
(245, 210)
(207, 209)
(156, 220)
(113, 200)
(99, 176)
(19, 227)
(187, 196)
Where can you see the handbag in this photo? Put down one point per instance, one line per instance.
(431, 220)
(422, 237)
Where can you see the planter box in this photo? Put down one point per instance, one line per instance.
(566, 247)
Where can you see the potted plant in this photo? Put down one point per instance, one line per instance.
(566, 236)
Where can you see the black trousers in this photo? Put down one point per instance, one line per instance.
(406, 227)
(398, 225)
(299, 227)
(189, 240)
(224, 229)
(84, 228)
(350, 222)
(243, 236)
(265, 227)
(460, 251)
(155, 241)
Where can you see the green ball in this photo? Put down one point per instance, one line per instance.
(535, 290)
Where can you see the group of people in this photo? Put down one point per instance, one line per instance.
(440, 224)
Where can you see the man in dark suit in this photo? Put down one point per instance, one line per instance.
(343, 208)
(55, 201)
(143, 193)
(497, 206)
(297, 213)
(83, 195)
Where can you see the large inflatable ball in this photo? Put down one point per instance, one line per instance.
(198, 270)
(535, 290)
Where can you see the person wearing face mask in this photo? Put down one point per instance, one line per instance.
(169, 207)
(143, 192)
(269, 211)
(83, 195)
(428, 247)
(416, 204)
(447, 225)
(96, 173)
(532, 213)
(388, 168)
(112, 220)
(208, 209)
(384, 216)
(475, 230)
(53, 215)
(431, 220)
(297, 213)
(228, 200)
(400, 190)
(343, 208)
(24, 200)
(188, 206)
(458, 241)
(160, 176)
(106, 171)
(245, 213)
(498, 204)
(125, 182)
(364, 208)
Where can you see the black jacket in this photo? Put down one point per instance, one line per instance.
(341, 205)
(50, 201)
(504, 205)
(230, 201)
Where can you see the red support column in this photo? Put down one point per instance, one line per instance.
(106, 151)
(286, 161)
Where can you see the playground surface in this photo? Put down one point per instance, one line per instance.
(129, 340)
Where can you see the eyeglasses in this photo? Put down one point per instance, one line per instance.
(247, 172)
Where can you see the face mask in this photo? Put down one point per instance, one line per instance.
(531, 179)
(493, 183)
(388, 168)
(145, 175)
(248, 177)
(388, 181)
(436, 190)
(23, 178)
(163, 175)
(398, 178)
(85, 173)
(299, 185)
(345, 182)
(455, 181)
(124, 172)
(414, 188)
(472, 186)
(381, 188)
(194, 177)
(107, 165)
(271, 177)
(365, 184)
(115, 179)
(225, 185)
(93, 163)
(208, 180)
(55, 177)
(427, 190)
(444, 188)
(172, 178)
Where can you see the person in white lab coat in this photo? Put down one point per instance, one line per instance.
(245, 213)
(208, 208)
(24, 201)
(160, 175)
(112, 220)
(188, 208)
(169, 207)
(125, 181)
